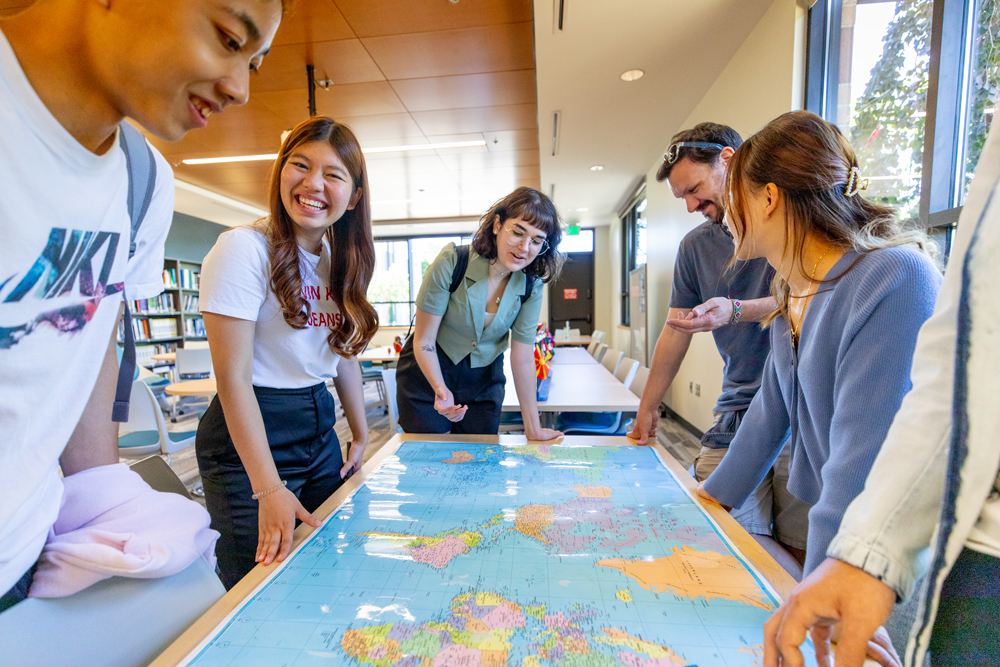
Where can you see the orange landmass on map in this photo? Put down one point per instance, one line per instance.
(694, 574)
(533, 519)
(591, 491)
(460, 456)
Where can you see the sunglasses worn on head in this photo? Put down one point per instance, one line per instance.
(675, 149)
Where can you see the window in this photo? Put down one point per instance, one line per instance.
(400, 265)
(633, 245)
(582, 242)
(913, 84)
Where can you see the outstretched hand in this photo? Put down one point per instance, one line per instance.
(644, 427)
(276, 523)
(444, 403)
(837, 602)
(711, 315)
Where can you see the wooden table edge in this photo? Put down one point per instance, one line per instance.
(781, 581)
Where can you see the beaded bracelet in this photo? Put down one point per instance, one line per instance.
(261, 494)
(737, 311)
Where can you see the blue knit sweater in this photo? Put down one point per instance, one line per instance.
(839, 394)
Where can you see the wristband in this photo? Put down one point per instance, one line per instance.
(737, 311)
(261, 494)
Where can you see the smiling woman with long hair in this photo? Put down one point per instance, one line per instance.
(285, 310)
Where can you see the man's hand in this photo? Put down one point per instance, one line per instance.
(702, 493)
(544, 434)
(834, 594)
(714, 313)
(644, 427)
(444, 403)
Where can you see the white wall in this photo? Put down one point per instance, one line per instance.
(758, 84)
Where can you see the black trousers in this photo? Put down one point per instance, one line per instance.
(299, 426)
(482, 389)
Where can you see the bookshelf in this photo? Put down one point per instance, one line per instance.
(167, 321)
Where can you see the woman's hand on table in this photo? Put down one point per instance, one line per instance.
(444, 403)
(355, 457)
(702, 493)
(544, 434)
(276, 522)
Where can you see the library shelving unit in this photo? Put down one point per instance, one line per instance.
(162, 323)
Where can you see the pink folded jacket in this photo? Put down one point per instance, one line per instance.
(111, 523)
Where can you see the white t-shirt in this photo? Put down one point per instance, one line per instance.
(64, 227)
(235, 281)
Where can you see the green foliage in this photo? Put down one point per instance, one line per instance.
(893, 105)
(984, 83)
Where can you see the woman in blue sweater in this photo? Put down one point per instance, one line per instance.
(853, 288)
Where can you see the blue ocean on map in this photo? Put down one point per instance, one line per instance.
(461, 554)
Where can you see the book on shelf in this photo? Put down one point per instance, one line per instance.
(151, 329)
(189, 278)
(190, 303)
(161, 304)
(169, 278)
(194, 327)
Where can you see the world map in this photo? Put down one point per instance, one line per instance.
(528, 556)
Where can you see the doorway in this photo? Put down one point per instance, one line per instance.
(571, 297)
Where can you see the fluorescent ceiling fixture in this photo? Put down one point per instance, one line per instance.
(632, 75)
(377, 149)
(228, 202)
(582, 209)
(597, 167)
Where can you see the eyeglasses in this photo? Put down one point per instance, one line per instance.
(517, 237)
(675, 149)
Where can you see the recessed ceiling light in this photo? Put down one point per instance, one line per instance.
(597, 167)
(582, 209)
(377, 149)
(632, 75)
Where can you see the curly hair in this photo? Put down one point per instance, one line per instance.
(811, 163)
(537, 210)
(352, 249)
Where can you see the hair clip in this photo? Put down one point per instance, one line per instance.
(855, 183)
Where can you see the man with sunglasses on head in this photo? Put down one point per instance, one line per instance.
(710, 293)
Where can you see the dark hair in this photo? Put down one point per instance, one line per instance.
(535, 209)
(709, 133)
(811, 163)
(352, 250)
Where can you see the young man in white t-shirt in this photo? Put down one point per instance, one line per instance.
(70, 71)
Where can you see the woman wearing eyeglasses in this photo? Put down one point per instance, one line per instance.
(450, 377)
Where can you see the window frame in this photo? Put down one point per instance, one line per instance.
(629, 218)
(414, 286)
(944, 124)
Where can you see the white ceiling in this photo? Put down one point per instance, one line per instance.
(682, 45)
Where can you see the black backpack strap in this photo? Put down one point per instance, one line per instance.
(529, 284)
(141, 168)
(461, 266)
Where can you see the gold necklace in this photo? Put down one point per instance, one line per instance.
(492, 288)
(812, 280)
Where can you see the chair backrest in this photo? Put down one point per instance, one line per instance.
(389, 380)
(196, 345)
(600, 352)
(626, 371)
(144, 412)
(592, 348)
(639, 381)
(611, 360)
(598, 335)
(193, 364)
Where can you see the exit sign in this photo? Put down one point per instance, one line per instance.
(573, 230)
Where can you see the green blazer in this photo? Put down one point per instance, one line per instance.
(464, 311)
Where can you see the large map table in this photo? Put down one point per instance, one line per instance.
(494, 551)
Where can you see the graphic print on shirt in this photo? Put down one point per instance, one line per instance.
(312, 293)
(67, 260)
